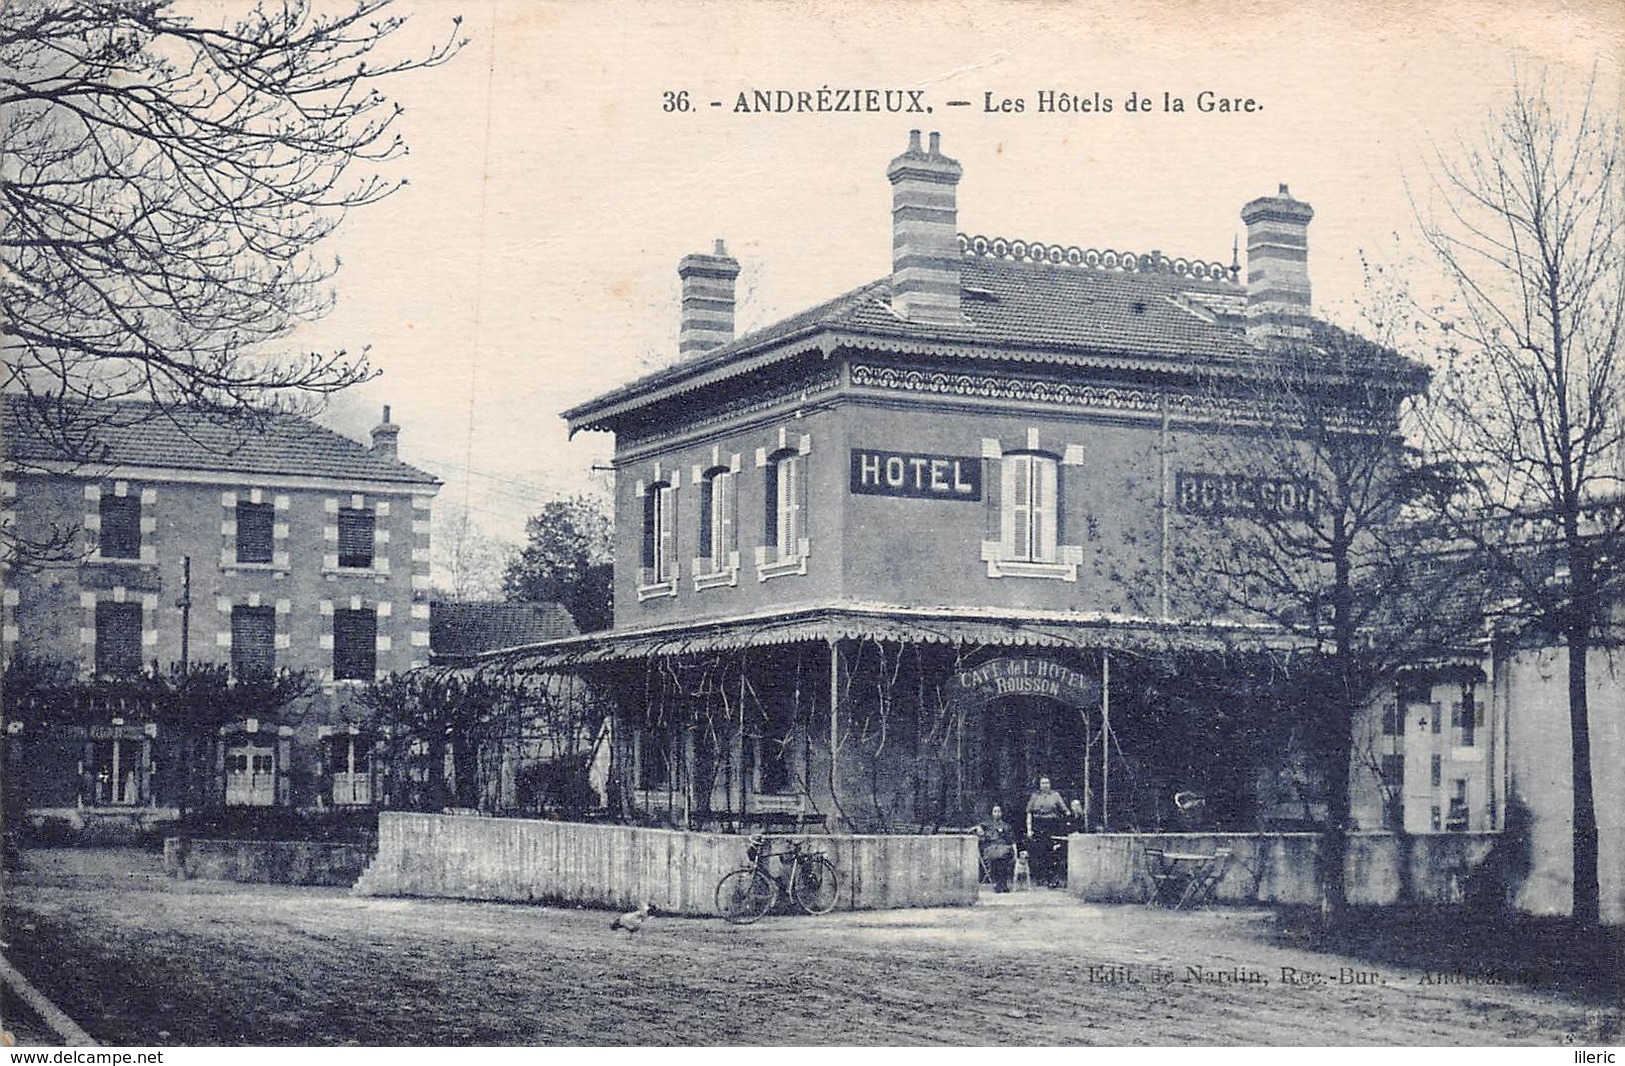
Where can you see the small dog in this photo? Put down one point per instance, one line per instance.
(1023, 878)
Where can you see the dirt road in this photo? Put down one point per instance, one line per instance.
(150, 961)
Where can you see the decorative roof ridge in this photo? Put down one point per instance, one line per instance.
(1105, 259)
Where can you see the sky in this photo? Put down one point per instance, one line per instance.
(530, 264)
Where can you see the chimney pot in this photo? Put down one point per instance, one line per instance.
(925, 234)
(386, 437)
(706, 318)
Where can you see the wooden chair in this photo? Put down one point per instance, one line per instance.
(1166, 884)
(1200, 886)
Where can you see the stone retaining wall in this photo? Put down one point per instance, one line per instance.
(281, 862)
(1280, 867)
(523, 860)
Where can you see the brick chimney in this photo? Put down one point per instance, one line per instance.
(385, 437)
(1277, 268)
(925, 233)
(707, 316)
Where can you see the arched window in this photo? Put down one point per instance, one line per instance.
(1026, 510)
(718, 559)
(786, 506)
(659, 534)
(785, 542)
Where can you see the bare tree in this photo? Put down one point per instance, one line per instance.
(1527, 221)
(1309, 526)
(168, 181)
(470, 562)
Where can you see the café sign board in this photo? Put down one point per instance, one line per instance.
(1030, 677)
(916, 475)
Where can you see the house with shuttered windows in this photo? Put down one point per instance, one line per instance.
(187, 537)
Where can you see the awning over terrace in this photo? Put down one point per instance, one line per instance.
(892, 625)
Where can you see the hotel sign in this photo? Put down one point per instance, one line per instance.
(916, 476)
(1251, 497)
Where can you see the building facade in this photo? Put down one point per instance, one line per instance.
(887, 562)
(877, 563)
(190, 541)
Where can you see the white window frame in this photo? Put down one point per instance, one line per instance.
(791, 546)
(352, 788)
(722, 566)
(1029, 548)
(659, 579)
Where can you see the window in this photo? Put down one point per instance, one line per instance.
(118, 639)
(1436, 719)
(118, 772)
(120, 527)
(1025, 513)
(255, 522)
(1464, 718)
(355, 645)
(786, 506)
(253, 642)
(785, 544)
(718, 561)
(1393, 772)
(660, 537)
(250, 774)
(350, 757)
(1456, 818)
(1393, 720)
(1436, 771)
(717, 517)
(355, 538)
(1029, 490)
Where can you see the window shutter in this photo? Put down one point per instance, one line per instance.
(1058, 505)
(254, 532)
(253, 641)
(1014, 531)
(649, 529)
(668, 532)
(992, 483)
(355, 645)
(118, 638)
(729, 486)
(1045, 497)
(801, 505)
(120, 536)
(708, 499)
(770, 527)
(355, 538)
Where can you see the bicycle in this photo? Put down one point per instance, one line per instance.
(806, 877)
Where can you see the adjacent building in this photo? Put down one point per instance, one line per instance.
(190, 539)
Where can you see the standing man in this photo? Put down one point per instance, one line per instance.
(1046, 820)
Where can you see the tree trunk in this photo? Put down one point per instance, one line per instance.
(1586, 899)
(1334, 840)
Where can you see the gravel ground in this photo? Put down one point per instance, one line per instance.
(137, 959)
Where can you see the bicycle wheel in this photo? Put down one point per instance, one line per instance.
(815, 885)
(745, 895)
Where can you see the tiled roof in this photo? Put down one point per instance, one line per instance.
(1144, 320)
(146, 435)
(458, 629)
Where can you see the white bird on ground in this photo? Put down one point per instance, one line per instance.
(632, 921)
